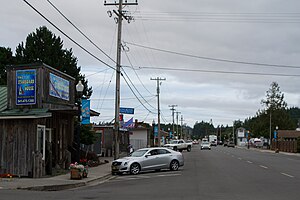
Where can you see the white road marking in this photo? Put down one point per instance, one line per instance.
(240, 158)
(263, 167)
(163, 175)
(249, 162)
(287, 175)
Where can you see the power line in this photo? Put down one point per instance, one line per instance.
(220, 72)
(80, 46)
(136, 73)
(80, 30)
(135, 94)
(215, 59)
(137, 89)
(219, 17)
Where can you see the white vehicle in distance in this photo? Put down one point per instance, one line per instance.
(179, 145)
(205, 145)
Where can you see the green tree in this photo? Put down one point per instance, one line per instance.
(6, 58)
(43, 46)
(274, 114)
(202, 129)
(87, 135)
(274, 98)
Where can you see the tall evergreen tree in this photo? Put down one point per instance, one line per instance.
(6, 58)
(273, 115)
(274, 98)
(44, 46)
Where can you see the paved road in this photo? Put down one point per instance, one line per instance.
(222, 173)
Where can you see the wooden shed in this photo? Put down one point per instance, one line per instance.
(37, 127)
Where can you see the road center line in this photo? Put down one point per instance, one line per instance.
(287, 175)
(263, 167)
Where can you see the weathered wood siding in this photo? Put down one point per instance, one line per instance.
(18, 143)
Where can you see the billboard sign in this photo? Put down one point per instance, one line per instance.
(241, 133)
(26, 87)
(59, 87)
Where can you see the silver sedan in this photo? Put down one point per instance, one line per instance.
(145, 159)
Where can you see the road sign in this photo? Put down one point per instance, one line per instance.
(127, 110)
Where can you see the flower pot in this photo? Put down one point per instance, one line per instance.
(76, 174)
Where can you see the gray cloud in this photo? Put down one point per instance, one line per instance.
(200, 96)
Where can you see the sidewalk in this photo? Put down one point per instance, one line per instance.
(269, 151)
(61, 182)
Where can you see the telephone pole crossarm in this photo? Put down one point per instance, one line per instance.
(125, 3)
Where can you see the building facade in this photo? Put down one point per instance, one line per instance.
(37, 126)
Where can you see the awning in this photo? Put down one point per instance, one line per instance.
(25, 114)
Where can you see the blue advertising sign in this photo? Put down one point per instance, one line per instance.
(26, 87)
(155, 131)
(275, 134)
(85, 111)
(59, 87)
(127, 110)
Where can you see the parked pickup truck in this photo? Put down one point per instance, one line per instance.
(179, 145)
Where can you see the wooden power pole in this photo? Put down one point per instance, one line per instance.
(158, 106)
(119, 19)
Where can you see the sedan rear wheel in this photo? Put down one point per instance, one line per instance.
(189, 148)
(135, 168)
(174, 165)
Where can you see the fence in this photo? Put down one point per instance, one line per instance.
(285, 145)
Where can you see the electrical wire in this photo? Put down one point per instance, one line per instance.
(136, 73)
(67, 36)
(137, 89)
(219, 17)
(214, 59)
(135, 94)
(220, 72)
(80, 31)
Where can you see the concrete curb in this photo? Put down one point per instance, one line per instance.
(60, 187)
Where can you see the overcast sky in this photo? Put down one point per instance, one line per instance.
(170, 39)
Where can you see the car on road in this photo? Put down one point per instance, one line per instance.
(231, 144)
(213, 143)
(154, 158)
(179, 145)
(205, 145)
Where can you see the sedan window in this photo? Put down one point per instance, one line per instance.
(153, 152)
(138, 153)
(163, 151)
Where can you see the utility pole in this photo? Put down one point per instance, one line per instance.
(158, 107)
(119, 20)
(173, 111)
(181, 120)
(177, 124)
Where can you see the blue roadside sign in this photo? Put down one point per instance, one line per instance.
(275, 134)
(127, 110)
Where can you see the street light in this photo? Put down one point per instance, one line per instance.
(276, 138)
(79, 90)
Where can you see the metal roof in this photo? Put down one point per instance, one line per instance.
(3, 98)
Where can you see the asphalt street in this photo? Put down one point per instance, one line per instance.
(222, 173)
